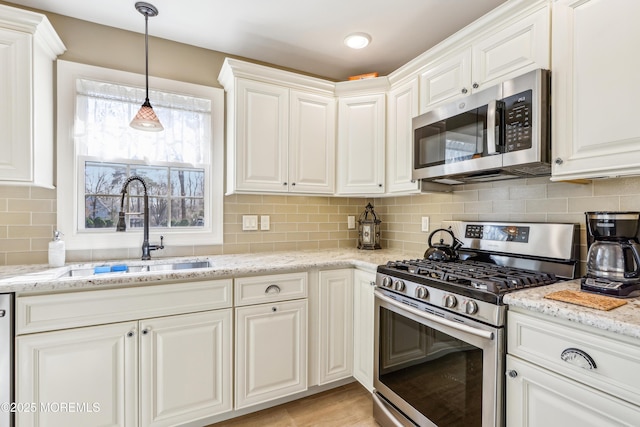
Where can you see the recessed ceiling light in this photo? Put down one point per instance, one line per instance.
(357, 40)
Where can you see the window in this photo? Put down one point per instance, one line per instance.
(97, 152)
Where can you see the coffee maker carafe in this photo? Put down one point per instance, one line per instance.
(613, 259)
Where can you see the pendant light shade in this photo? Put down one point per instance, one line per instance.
(146, 118)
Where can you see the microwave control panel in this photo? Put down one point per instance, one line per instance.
(517, 119)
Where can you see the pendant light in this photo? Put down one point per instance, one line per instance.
(146, 118)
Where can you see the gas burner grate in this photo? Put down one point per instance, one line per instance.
(475, 274)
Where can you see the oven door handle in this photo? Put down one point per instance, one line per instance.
(458, 326)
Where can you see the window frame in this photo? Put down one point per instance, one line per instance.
(69, 173)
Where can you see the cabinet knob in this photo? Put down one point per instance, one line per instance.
(274, 309)
(145, 331)
(476, 85)
(293, 183)
(464, 90)
(559, 161)
(372, 283)
(130, 334)
(284, 183)
(512, 373)
(380, 185)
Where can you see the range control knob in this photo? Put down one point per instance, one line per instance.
(422, 292)
(450, 301)
(387, 282)
(399, 285)
(470, 307)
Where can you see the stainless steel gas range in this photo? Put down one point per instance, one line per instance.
(440, 340)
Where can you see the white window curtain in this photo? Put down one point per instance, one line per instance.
(104, 110)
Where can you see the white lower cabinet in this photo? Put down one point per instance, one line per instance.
(537, 397)
(363, 330)
(271, 337)
(95, 367)
(271, 351)
(335, 334)
(183, 364)
(185, 367)
(166, 370)
(563, 374)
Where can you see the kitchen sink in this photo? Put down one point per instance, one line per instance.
(127, 269)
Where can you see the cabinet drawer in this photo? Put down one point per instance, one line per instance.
(276, 287)
(566, 350)
(74, 309)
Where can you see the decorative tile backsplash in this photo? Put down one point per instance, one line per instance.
(28, 217)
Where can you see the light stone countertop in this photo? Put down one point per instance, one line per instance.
(624, 320)
(42, 278)
(25, 279)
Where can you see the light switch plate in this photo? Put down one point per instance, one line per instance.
(265, 222)
(425, 223)
(351, 222)
(249, 222)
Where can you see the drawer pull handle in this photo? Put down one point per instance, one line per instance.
(272, 289)
(578, 358)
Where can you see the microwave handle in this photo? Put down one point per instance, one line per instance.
(492, 113)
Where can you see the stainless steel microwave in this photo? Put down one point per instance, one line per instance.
(502, 132)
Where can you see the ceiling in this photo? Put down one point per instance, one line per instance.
(305, 35)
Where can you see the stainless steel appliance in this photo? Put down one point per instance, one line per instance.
(6, 359)
(613, 259)
(439, 323)
(502, 132)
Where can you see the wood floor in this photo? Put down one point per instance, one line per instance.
(349, 405)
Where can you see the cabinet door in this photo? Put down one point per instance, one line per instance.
(363, 325)
(262, 137)
(335, 325)
(595, 86)
(539, 398)
(402, 108)
(361, 144)
(29, 45)
(185, 367)
(94, 369)
(515, 50)
(445, 81)
(312, 143)
(271, 351)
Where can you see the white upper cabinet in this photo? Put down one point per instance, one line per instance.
(312, 134)
(595, 86)
(507, 45)
(262, 137)
(361, 136)
(445, 81)
(402, 106)
(280, 130)
(28, 47)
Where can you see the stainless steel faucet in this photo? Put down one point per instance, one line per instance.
(122, 225)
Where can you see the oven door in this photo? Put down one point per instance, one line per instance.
(434, 367)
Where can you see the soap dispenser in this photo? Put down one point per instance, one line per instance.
(56, 250)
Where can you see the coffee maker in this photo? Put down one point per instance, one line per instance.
(613, 258)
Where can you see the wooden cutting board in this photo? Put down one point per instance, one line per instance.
(586, 299)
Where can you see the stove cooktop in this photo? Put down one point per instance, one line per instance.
(462, 279)
(472, 274)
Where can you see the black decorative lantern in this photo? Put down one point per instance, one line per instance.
(369, 229)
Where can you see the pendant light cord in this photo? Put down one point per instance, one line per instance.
(146, 53)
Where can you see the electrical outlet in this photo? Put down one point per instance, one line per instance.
(425, 223)
(351, 222)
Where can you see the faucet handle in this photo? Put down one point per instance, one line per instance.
(156, 247)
